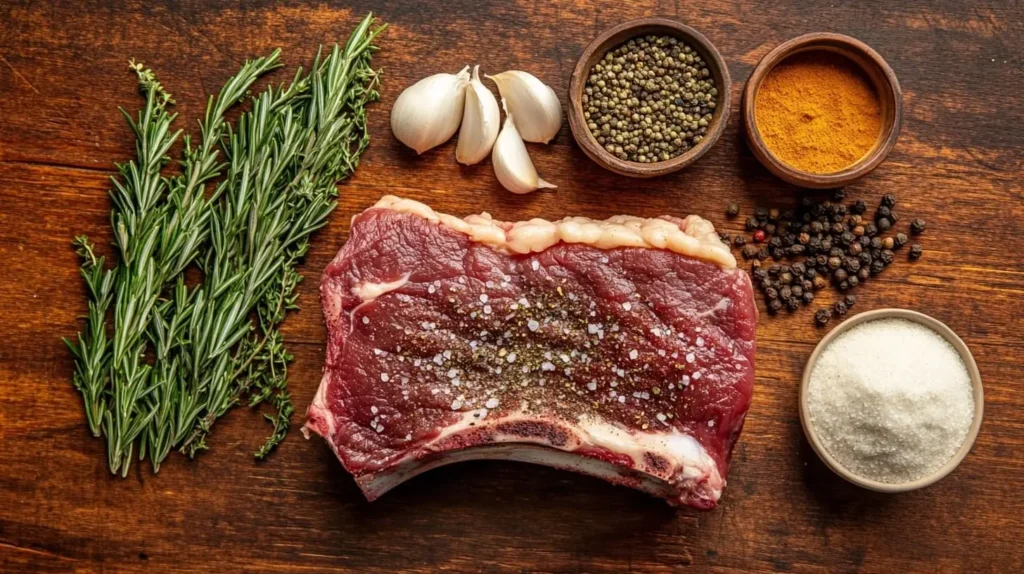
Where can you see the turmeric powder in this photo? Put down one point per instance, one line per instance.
(818, 112)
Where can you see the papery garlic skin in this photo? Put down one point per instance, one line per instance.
(534, 104)
(512, 163)
(481, 120)
(428, 113)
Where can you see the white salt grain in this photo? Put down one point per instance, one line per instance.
(891, 400)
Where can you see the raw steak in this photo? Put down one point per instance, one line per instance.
(622, 349)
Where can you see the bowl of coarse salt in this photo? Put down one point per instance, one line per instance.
(891, 400)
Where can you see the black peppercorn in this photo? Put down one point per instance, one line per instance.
(876, 242)
(751, 224)
(797, 249)
(792, 304)
(807, 285)
(864, 241)
(770, 229)
(889, 200)
(739, 241)
(808, 297)
(749, 251)
(840, 308)
(732, 210)
(785, 278)
(900, 240)
(763, 253)
(917, 226)
(834, 262)
(855, 248)
(811, 273)
(760, 275)
(771, 293)
(774, 305)
(893, 217)
(761, 213)
(859, 207)
(884, 224)
(797, 291)
(755, 264)
(850, 300)
(840, 275)
(877, 266)
(870, 230)
(821, 260)
(887, 256)
(826, 244)
(915, 252)
(786, 292)
(823, 316)
(837, 228)
(835, 252)
(865, 258)
(882, 211)
(817, 227)
(847, 238)
(839, 194)
(844, 285)
(853, 281)
(852, 264)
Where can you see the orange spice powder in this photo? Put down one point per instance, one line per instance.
(818, 112)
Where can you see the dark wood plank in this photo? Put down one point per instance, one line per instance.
(957, 164)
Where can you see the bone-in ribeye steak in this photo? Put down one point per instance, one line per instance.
(622, 349)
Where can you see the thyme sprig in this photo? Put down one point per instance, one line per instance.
(176, 358)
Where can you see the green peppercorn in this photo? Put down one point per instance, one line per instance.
(654, 95)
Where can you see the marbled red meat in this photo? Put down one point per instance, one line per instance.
(634, 364)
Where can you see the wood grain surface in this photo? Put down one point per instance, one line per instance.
(958, 164)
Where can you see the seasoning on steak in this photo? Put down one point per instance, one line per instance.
(622, 349)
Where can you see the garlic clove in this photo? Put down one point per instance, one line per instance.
(512, 163)
(480, 122)
(534, 104)
(428, 113)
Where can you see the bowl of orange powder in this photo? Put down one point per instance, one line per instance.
(822, 110)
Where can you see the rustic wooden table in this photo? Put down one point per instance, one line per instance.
(958, 164)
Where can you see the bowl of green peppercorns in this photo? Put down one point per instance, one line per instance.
(648, 97)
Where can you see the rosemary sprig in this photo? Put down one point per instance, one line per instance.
(173, 359)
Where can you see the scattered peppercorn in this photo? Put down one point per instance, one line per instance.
(825, 241)
(915, 252)
(650, 99)
(917, 226)
(840, 308)
(823, 316)
(850, 300)
(732, 210)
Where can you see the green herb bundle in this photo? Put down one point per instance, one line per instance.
(160, 358)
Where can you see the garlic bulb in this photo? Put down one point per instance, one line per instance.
(534, 104)
(512, 164)
(428, 113)
(480, 122)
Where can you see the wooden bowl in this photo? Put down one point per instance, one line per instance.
(972, 370)
(876, 69)
(609, 40)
